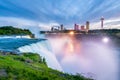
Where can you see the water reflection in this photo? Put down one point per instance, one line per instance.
(71, 46)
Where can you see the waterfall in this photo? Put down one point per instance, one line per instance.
(92, 58)
(43, 48)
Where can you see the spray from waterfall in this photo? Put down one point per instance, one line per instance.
(43, 48)
(91, 58)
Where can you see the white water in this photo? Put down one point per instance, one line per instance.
(43, 49)
(16, 36)
(90, 58)
(93, 59)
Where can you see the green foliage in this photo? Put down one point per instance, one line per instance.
(34, 57)
(44, 61)
(9, 30)
(18, 69)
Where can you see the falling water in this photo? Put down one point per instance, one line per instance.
(91, 58)
(43, 49)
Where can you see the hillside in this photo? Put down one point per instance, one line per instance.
(29, 66)
(9, 30)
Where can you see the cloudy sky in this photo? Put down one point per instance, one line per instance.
(45, 13)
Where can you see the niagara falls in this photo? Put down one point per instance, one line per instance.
(60, 40)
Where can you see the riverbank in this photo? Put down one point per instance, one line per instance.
(10, 31)
(30, 66)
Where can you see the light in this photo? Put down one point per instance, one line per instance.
(105, 40)
(71, 47)
(71, 33)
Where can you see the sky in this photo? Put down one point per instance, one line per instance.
(45, 13)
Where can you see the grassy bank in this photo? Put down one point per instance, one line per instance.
(30, 66)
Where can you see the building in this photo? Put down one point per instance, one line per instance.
(76, 27)
(55, 28)
(87, 25)
(61, 27)
(82, 28)
(102, 19)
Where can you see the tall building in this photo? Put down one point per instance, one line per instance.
(87, 25)
(52, 28)
(102, 19)
(61, 27)
(76, 27)
(82, 27)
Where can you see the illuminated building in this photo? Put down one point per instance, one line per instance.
(87, 25)
(76, 27)
(82, 27)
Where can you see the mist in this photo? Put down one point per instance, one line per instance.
(93, 59)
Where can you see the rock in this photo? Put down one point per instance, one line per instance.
(3, 73)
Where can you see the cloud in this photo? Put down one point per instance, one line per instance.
(34, 26)
(46, 13)
(112, 23)
(21, 22)
(63, 11)
(16, 21)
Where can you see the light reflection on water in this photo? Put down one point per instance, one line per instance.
(91, 57)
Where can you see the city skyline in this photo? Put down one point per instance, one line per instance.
(45, 13)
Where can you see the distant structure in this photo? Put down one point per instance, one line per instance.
(87, 25)
(58, 28)
(76, 27)
(82, 27)
(61, 27)
(102, 19)
(55, 28)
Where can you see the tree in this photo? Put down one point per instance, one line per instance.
(44, 61)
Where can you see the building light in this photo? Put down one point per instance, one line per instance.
(105, 40)
(71, 32)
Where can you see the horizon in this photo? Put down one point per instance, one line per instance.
(44, 14)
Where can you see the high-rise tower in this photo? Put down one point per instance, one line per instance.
(102, 19)
(61, 27)
(87, 25)
(76, 27)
